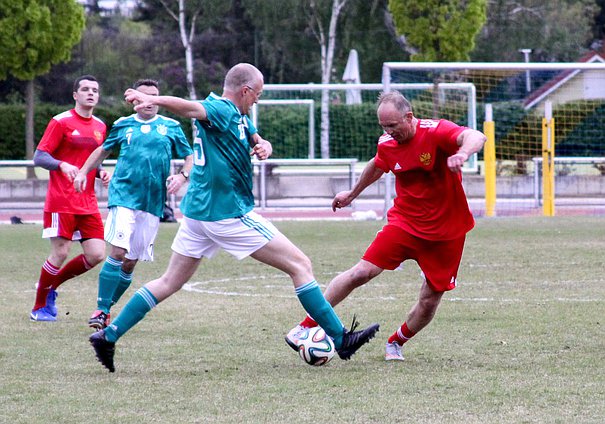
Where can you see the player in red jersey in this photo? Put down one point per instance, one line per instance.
(430, 216)
(69, 139)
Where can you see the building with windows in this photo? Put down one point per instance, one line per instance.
(110, 7)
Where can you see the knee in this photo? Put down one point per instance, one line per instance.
(94, 258)
(128, 265)
(57, 258)
(303, 266)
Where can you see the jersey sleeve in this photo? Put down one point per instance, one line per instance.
(218, 114)
(379, 159)
(447, 133)
(52, 137)
(113, 140)
(251, 128)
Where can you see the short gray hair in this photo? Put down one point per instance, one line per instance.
(240, 75)
(396, 99)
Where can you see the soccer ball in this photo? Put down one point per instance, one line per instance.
(315, 347)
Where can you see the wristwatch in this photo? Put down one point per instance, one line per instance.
(184, 174)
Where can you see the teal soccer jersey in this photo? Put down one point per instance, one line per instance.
(221, 181)
(139, 179)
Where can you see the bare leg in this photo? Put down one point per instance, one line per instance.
(180, 270)
(424, 310)
(94, 251)
(282, 254)
(343, 284)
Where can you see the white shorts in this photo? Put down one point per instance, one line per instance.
(238, 236)
(132, 230)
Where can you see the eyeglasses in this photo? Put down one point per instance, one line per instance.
(256, 94)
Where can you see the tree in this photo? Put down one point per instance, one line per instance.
(191, 16)
(556, 31)
(439, 30)
(34, 35)
(116, 50)
(327, 44)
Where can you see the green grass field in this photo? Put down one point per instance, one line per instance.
(521, 340)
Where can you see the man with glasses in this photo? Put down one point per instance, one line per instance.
(218, 213)
(428, 221)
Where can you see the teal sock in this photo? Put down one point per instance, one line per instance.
(108, 281)
(135, 310)
(123, 284)
(322, 312)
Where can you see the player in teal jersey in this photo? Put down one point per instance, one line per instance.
(218, 213)
(137, 193)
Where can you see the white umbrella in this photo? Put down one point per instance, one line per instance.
(351, 76)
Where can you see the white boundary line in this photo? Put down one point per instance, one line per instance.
(197, 287)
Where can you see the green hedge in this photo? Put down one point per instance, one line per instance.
(12, 123)
(354, 130)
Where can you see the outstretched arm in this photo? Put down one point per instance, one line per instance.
(371, 173)
(93, 161)
(182, 107)
(470, 141)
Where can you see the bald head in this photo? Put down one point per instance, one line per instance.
(241, 75)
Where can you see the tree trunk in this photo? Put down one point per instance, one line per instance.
(325, 124)
(187, 41)
(29, 126)
(327, 59)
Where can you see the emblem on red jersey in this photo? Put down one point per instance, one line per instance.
(98, 135)
(425, 159)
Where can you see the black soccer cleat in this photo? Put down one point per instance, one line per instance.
(103, 349)
(99, 320)
(352, 340)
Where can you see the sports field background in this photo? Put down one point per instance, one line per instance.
(521, 340)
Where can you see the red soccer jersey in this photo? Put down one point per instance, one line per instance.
(430, 202)
(71, 138)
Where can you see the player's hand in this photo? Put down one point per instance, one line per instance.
(105, 177)
(341, 200)
(262, 149)
(174, 183)
(138, 99)
(456, 161)
(80, 182)
(69, 170)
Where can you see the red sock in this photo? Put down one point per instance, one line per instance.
(75, 267)
(48, 277)
(308, 322)
(402, 335)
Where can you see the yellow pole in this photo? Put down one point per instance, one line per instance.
(489, 158)
(548, 161)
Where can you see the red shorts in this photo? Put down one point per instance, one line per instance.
(73, 227)
(438, 260)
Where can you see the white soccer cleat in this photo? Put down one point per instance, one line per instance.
(293, 336)
(393, 352)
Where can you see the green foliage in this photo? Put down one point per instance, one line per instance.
(556, 30)
(12, 122)
(114, 51)
(37, 34)
(440, 31)
(579, 129)
(354, 130)
(287, 49)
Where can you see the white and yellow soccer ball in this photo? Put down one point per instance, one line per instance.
(315, 347)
